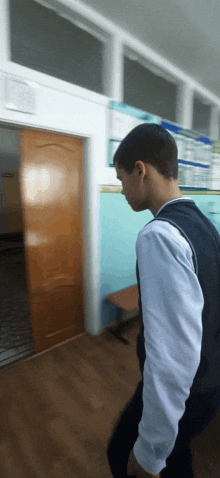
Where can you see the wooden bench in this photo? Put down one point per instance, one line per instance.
(126, 300)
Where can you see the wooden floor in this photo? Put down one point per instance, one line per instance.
(58, 409)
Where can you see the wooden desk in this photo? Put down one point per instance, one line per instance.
(126, 300)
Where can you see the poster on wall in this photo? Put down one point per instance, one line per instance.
(215, 169)
(194, 157)
(122, 119)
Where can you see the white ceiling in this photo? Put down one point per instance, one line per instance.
(185, 32)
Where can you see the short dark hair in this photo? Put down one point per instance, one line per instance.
(152, 144)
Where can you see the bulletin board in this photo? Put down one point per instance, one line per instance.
(194, 157)
(215, 167)
(122, 120)
(198, 155)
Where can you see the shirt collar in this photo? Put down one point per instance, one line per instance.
(172, 200)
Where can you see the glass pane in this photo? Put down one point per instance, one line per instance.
(149, 92)
(201, 117)
(45, 42)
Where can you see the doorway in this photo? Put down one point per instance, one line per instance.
(42, 258)
(15, 316)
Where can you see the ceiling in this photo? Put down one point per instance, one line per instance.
(185, 32)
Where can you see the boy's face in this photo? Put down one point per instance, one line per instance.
(131, 189)
(145, 188)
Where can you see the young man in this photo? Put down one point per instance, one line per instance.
(178, 346)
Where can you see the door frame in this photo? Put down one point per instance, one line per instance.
(90, 228)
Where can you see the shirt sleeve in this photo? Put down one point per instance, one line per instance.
(172, 304)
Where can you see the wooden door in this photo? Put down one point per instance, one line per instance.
(51, 185)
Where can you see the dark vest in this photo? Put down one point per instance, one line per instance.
(205, 244)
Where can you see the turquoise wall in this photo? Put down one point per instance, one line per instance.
(119, 227)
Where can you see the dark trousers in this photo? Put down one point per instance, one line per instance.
(199, 411)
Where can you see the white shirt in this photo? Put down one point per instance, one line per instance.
(172, 304)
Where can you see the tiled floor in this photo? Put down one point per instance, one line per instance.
(15, 326)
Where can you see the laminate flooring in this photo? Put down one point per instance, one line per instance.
(59, 407)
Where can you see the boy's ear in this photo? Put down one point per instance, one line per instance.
(142, 167)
